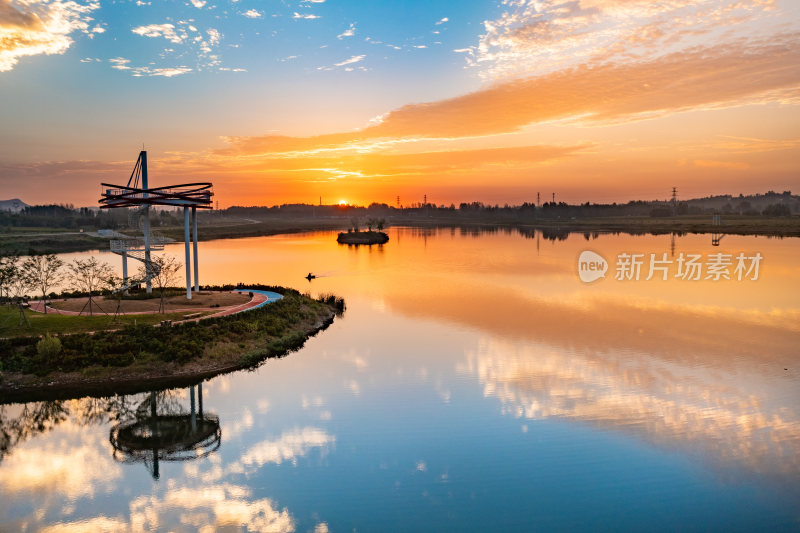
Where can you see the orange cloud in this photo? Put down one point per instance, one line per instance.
(700, 78)
(41, 28)
(414, 163)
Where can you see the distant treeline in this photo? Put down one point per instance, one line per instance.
(769, 204)
(69, 217)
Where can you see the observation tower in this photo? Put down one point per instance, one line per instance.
(190, 196)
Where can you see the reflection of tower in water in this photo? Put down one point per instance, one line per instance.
(162, 431)
(716, 235)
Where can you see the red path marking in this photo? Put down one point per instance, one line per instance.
(257, 299)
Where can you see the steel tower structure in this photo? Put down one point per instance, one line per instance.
(190, 196)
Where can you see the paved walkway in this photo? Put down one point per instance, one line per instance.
(259, 299)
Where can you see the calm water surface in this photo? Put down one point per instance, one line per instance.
(473, 384)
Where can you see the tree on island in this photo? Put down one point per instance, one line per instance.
(43, 272)
(90, 275)
(165, 273)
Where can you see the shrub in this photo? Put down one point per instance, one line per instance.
(49, 346)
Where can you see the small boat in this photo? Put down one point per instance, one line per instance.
(310, 276)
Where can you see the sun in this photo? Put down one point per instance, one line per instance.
(342, 202)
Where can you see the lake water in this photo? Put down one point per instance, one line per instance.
(475, 383)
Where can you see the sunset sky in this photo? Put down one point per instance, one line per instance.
(289, 101)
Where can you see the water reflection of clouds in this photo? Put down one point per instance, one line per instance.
(695, 407)
(203, 499)
(287, 448)
(205, 509)
(291, 445)
(59, 467)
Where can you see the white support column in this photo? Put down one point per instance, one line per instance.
(146, 232)
(125, 270)
(194, 242)
(188, 259)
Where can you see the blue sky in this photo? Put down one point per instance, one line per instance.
(171, 66)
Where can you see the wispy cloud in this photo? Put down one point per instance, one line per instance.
(308, 16)
(442, 21)
(253, 14)
(120, 63)
(346, 64)
(184, 33)
(349, 32)
(534, 37)
(353, 59)
(38, 27)
(167, 31)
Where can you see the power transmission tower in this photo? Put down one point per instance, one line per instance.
(554, 198)
(674, 201)
(538, 199)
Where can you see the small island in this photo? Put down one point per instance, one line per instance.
(355, 236)
(362, 237)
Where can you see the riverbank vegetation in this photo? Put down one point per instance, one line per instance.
(138, 356)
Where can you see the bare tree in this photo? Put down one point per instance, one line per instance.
(380, 224)
(19, 288)
(116, 284)
(165, 270)
(43, 272)
(9, 271)
(89, 275)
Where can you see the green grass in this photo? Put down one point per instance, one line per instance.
(56, 323)
(34, 229)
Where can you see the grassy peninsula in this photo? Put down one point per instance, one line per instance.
(141, 357)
